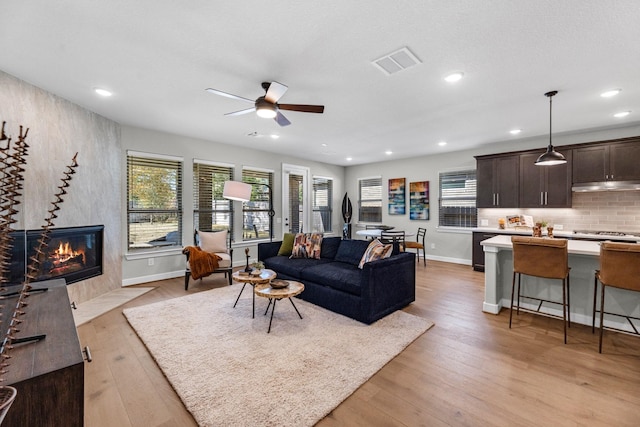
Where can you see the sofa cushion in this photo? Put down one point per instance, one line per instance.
(330, 247)
(292, 267)
(376, 250)
(351, 251)
(307, 245)
(287, 244)
(213, 241)
(338, 275)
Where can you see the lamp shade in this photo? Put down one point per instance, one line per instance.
(551, 157)
(235, 190)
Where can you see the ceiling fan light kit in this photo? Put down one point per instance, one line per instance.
(267, 106)
(550, 157)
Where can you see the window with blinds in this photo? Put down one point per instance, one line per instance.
(211, 211)
(322, 203)
(154, 201)
(255, 212)
(457, 202)
(370, 200)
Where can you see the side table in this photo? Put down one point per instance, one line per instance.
(265, 277)
(274, 294)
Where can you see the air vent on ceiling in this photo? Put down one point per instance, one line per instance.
(396, 61)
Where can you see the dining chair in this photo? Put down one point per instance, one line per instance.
(619, 268)
(543, 258)
(395, 237)
(418, 244)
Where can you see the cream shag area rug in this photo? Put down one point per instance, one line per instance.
(229, 372)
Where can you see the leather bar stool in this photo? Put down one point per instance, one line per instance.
(545, 258)
(619, 268)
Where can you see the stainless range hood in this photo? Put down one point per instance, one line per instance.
(606, 186)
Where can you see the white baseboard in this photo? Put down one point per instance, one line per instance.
(451, 260)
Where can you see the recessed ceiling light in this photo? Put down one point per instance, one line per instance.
(349, 159)
(274, 136)
(324, 145)
(622, 114)
(388, 152)
(515, 131)
(442, 143)
(102, 92)
(610, 93)
(454, 77)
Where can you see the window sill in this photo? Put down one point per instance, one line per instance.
(456, 230)
(148, 253)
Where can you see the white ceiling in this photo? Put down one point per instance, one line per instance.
(158, 57)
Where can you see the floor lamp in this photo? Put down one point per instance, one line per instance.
(241, 191)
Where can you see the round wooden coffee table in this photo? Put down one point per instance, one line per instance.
(265, 277)
(274, 294)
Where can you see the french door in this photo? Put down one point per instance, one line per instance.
(295, 199)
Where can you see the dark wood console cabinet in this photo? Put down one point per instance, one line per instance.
(48, 374)
(477, 251)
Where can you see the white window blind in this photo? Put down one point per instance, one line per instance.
(370, 200)
(457, 202)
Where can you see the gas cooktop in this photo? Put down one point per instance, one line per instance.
(606, 233)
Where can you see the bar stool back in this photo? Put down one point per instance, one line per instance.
(619, 268)
(546, 258)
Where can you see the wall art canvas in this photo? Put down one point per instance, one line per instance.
(397, 202)
(419, 200)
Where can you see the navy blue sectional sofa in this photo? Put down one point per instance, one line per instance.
(336, 283)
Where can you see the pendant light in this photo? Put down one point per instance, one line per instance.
(551, 157)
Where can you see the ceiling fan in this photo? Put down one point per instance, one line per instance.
(267, 106)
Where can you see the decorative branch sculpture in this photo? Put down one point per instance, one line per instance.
(12, 162)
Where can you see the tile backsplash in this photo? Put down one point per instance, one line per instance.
(606, 210)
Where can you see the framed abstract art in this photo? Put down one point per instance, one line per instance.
(397, 203)
(419, 200)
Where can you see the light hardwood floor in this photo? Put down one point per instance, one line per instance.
(470, 369)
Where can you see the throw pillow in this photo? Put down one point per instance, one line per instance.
(307, 245)
(213, 241)
(376, 250)
(287, 244)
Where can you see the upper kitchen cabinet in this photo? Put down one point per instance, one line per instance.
(545, 186)
(497, 181)
(615, 161)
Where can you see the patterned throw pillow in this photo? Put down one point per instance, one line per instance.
(307, 245)
(376, 250)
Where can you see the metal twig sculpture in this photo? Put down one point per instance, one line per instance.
(12, 168)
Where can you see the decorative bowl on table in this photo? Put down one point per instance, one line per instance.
(279, 284)
(256, 272)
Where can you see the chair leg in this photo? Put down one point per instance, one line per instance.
(513, 285)
(564, 308)
(601, 318)
(230, 278)
(424, 256)
(595, 297)
(519, 289)
(187, 274)
(568, 302)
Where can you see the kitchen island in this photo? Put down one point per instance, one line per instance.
(583, 260)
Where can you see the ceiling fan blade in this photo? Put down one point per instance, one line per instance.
(239, 113)
(228, 95)
(281, 120)
(275, 92)
(302, 107)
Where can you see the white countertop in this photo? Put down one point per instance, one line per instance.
(557, 233)
(576, 247)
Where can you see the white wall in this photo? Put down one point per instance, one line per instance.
(136, 268)
(455, 245)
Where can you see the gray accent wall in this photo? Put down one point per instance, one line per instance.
(57, 130)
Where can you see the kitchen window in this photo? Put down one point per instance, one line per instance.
(370, 199)
(457, 202)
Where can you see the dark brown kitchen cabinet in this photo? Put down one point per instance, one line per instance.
(545, 186)
(497, 181)
(477, 251)
(606, 162)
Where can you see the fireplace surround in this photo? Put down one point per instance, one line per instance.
(73, 253)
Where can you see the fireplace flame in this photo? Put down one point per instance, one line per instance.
(65, 253)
